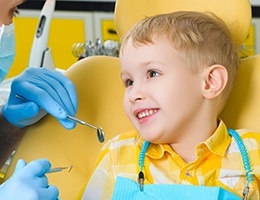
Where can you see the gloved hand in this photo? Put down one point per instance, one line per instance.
(29, 182)
(42, 90)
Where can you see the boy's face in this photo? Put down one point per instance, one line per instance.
(162, 98)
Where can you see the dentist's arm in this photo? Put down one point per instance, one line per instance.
(9, 134)
(9, 138)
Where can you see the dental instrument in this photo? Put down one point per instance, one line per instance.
(100, 131)
(59, 169)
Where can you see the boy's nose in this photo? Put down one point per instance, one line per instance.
(136, 95)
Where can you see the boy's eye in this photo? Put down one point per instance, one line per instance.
(128, 82)
(153, 73)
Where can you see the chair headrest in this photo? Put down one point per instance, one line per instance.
(235, 13)
(242, 109)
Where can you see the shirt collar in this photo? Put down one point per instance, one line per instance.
(219, 141)
(217, 144)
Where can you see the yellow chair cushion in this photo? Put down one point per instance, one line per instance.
(235, 13)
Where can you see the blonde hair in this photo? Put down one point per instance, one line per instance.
(201, 38)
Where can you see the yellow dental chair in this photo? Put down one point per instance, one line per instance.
(100, 94)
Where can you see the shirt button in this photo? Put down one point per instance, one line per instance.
(187, 174)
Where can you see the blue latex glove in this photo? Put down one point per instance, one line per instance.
(43, 91)
(29, 182)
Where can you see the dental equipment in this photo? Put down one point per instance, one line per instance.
(100, 132)
(40, 55)
(59, 169)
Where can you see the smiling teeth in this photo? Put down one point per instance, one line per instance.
(145, 113)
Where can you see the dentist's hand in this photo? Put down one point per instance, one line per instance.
(42, 90)
(29, 182)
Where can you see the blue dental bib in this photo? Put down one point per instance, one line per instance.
(127, 189)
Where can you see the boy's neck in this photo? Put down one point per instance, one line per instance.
(186, 148)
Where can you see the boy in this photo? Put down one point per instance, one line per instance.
(178, 70)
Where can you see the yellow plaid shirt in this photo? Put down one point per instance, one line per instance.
(218, 163)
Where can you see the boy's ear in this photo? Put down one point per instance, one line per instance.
(215, 80)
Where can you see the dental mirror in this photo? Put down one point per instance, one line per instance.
(100, 132)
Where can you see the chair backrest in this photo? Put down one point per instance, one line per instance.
(100, 92)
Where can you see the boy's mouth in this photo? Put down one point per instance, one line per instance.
(146, 113)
